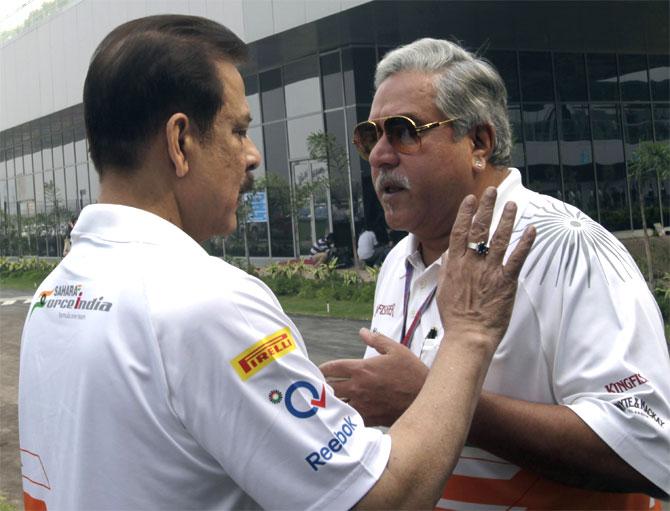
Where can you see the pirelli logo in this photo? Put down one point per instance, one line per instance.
(263, 353)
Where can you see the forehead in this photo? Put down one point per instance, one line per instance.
(235, 102)
(407, 92)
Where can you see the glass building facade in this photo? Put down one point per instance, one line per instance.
(579, 107)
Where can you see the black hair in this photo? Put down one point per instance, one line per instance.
(146, 70)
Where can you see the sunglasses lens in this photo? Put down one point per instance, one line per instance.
(402, 134)
(365, 138)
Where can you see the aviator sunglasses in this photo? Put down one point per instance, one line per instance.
(402, 133)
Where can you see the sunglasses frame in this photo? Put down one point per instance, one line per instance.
(381, 131)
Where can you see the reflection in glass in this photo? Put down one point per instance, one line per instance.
(536, 76)
(301, 87)
(358, 64)
(45, 134)
(634, 81)
(71, 190)
(518, 160)
(544, 175)
(253, 98)
(331, 81)
(637, 129)
(272, 95)
(505, 63)
(659, 74)
(603, 79)
(570, 76)
(256, 136)
(298, 132)
(276, 152)
(610, 168)
(662, 122)
(577, 160)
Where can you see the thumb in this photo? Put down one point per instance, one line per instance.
(378, 341)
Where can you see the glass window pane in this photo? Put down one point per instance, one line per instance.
(505, 63)
(364, 73)
(348, 76)
(71, 190)
(10, 162)
(541, 149)
(637, 129)
(256, 136)
(603, 79)
(272, 95)
(634, 80)
(68, 137)
(83, 190)
(577, 160)
(610, 168)
(298, 132)
(662, 122)
(518, 157)
(274, 136)
(338, 168)
(18, 151)
(331, 81)
(57, 141)
(27, 150)
(570, 76)
(536, 76)
(659, 74)
(45, 135)
(253, 98)
(301, 87)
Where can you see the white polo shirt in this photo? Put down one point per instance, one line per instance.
(154, 376)
(585, 332)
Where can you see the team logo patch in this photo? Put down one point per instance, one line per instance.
(263, 353)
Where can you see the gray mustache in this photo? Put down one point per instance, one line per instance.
(385, 179)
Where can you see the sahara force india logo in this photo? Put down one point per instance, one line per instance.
(70, 297)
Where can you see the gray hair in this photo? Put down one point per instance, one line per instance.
(468, 87)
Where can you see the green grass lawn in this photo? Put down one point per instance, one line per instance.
(317, 307)
(27, 281)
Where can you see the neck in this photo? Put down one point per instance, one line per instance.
(433, 248)
(140, 188)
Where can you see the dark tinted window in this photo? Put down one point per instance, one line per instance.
(541, 149)
(659, 74)
(331, 81)
(536, 76)
(603, 78)
(272, 95)
(634, 79)
(505, 63)
(570, 76)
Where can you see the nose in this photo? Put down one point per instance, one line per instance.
(383, 154)
(253, 157)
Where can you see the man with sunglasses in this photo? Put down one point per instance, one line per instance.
(576, 408)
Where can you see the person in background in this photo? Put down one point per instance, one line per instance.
(575, 412)
(369, 249)
(322, 250)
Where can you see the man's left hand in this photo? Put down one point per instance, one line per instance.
(380, 388)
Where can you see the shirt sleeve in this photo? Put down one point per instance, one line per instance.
(610, 359)
(250, 397)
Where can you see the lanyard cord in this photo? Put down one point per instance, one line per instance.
(408, 334)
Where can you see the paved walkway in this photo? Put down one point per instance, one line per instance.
(326, 339)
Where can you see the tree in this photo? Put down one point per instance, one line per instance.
(651, 160)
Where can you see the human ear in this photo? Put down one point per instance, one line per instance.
(483, 138)
(178, 140)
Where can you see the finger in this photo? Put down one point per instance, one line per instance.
(377, 341)
(502, 234)
(343, 389)
(342, 368)
(520, 252)
(479, 230)
(459, 232)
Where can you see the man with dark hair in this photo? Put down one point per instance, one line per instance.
(154, 376)
(577, 399)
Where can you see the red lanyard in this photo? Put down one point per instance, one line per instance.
(407, 335)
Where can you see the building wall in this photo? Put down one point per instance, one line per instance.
(586, 85)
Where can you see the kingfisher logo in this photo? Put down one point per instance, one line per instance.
(70, 297)
(317, 401)
(263, 353)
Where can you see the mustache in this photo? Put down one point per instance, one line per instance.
(388, 179)
(248, 183)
